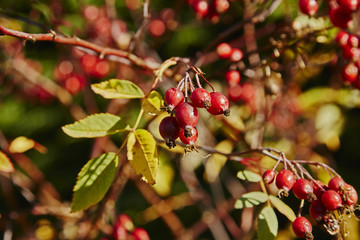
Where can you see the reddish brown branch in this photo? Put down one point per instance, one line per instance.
(75, 41)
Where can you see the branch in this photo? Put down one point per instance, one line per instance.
(75, 41)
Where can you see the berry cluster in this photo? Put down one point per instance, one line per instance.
(124, 229)
(340, 11)
(225, 51)
(184, 115)
(350, 48)
(324, 200)
(210, 10)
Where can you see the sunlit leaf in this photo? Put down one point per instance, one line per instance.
(250, 199)
(249, 176)
(5, 163)
(116, 88)
(282, 207)
(142, 154)
(94, 181)
(21, 144)
(267, 224)
(97, 125)
(168, 63)
(152, 103)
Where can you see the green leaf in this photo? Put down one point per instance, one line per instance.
(152, 103)
(249, 176)
(250, 199)
(96, 125)
(5, 163)
(283, 208)
(115, 88)
(142, 154)
(93, 181)
(267, 224)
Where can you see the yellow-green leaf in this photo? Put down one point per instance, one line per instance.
(116, 88)
(282, 207)
(152, 103)
(142, 154)
(96, 125)
(168, 63)
(93, 181)
(250, 199)
(267, 224)
(5, 163)
(214, 165)
(249, 176)
(21, 144)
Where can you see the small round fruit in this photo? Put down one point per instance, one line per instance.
(233, 77)
(302, 188)
(219, 104)
(169, 130)
(308, 7)
(268, 176)
(224, 50)
(285, 179)
(173, 97)
(349, 5)
(336, 184)
(302, 228)
(342, 38)
(201, 7)
(350, 72)
(331, 200)
(350, 195)
(340, 17)
(140, 234)
(201, 98)
(186, 115)
(188, 140)
(317, 210)
(319, 188)
(236, 55)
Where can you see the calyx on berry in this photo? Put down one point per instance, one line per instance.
(187, 116)
(219, 104)
(169, 130)
(173, 97)
(303, 189)
(201, 98)
(302, 228)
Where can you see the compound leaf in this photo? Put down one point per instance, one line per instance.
(94, 181)
(251, 199)
(249, 176)
(142, 154)
(116, 88)
(96, 125)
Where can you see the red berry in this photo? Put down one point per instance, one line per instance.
(340, 17)
(349, 195)
(348, 5)
(188, 140)
(169, 130)
(219, 104)
(336, 184)
(121, 226)
(285, 179)
(331, 200)
(140, 234)
(353, 41)
(186, 115)
(173, 97)
(308, 7)
(350, 72)
(157, 27)
(342, 38)
(351, 53)
(236, 55)
(200, 98)
(74, 84)
(302, 188)
(224, 50)
(119, 232)
(317, 210)
(235, 93)
(302, 227)
(232, 77)
(319, 188)
(268, 176)
(201, 7)
(221, 5)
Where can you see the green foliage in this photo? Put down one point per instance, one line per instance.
(282, 207)
(115, 88)
(93, 181)
(5, 163)
(267, 224)
(250, 199)
(249, 176)
(152, 103)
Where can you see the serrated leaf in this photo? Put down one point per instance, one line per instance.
(96, 125)
(250, 199)
(152, 103)
(282, 207)
(267, 224)
(93, 181)
(116, 88)
(142, 154)
(249, 176)
(21, 144)
(5, 163)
